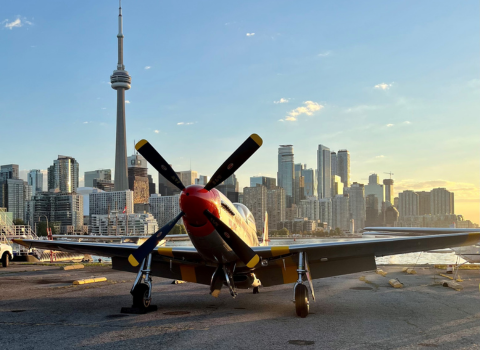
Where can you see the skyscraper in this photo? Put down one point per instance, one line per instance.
(275, 206)
(375, 189)
(268, 182)
(104, 202)
(356, 194)
(120, 81)
(285, 174)
(389, 194)
(187, 177)
(310, 182)
(333, 157)
(65, 208)
(9, 171)
(343, 166)
(230, 188)
(255, 199)
(165, 208)
(408, 203)
(63, 175)
(35, 179)
(299, 190)
(324, 172)
(138, 178)
(442, 201)
(341, 212)
(101, 174)
(15, 193)
(424, 203)
(337, 185)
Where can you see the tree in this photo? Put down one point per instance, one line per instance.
(42, 228)
(283, 232)
(18, 222)
(178, 230)
(338, 232)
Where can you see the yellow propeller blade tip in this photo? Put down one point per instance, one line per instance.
(140, 144)
(258, 140)
(254, 261)
(132, 260)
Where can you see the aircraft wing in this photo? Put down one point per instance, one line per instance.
(179, 263)
(417, 230)
(339, 258)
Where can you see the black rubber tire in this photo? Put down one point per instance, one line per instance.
(140, 295)
(255, 290)
(5, 259)
(301, 301)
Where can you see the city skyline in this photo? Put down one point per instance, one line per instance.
(399, 117)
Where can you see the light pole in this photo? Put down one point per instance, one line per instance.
(45, 218)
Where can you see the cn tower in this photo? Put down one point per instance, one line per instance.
(120, 81)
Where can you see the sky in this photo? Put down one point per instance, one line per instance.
(396, 83)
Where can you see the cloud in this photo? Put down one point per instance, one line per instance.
(407, 122)
(147, 67)
(156, 131)
(127, 101)
(104, 108)
(85, 122)
(383, 86)
(325, 54)
(308, 109)
(183, 123)
(389, 125)
(250, 34)
(17, 23)
(380, 156)
(361, 108)
(282, 100)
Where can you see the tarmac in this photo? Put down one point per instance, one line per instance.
(40, 308)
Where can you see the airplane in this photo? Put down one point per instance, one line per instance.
(470, 254)
(226, 250)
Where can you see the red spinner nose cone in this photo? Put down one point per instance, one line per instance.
(194, 200)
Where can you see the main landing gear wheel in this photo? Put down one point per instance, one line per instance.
(5, 260)
(301, 300)
(140, 296)
(255, 290)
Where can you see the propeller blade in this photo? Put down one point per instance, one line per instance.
(217, 282)
(243, 251)
(160, 164)
(146, 248)
(235, 161)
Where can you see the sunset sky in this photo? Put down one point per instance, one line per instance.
(395, 83)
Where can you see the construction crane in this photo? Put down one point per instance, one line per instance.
(390, 173)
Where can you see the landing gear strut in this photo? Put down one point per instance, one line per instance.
(142, 289)
(229, 280)
(300, 291)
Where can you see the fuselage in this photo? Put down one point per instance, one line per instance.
(194, 200)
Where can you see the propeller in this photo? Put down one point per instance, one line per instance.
(160, 164)
(235, 161)
(241, 249)
(141, 253)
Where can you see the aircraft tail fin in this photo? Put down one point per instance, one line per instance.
(265, 239)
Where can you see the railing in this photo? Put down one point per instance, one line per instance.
(9, 231)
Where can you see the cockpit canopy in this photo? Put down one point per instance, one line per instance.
(245, 213)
